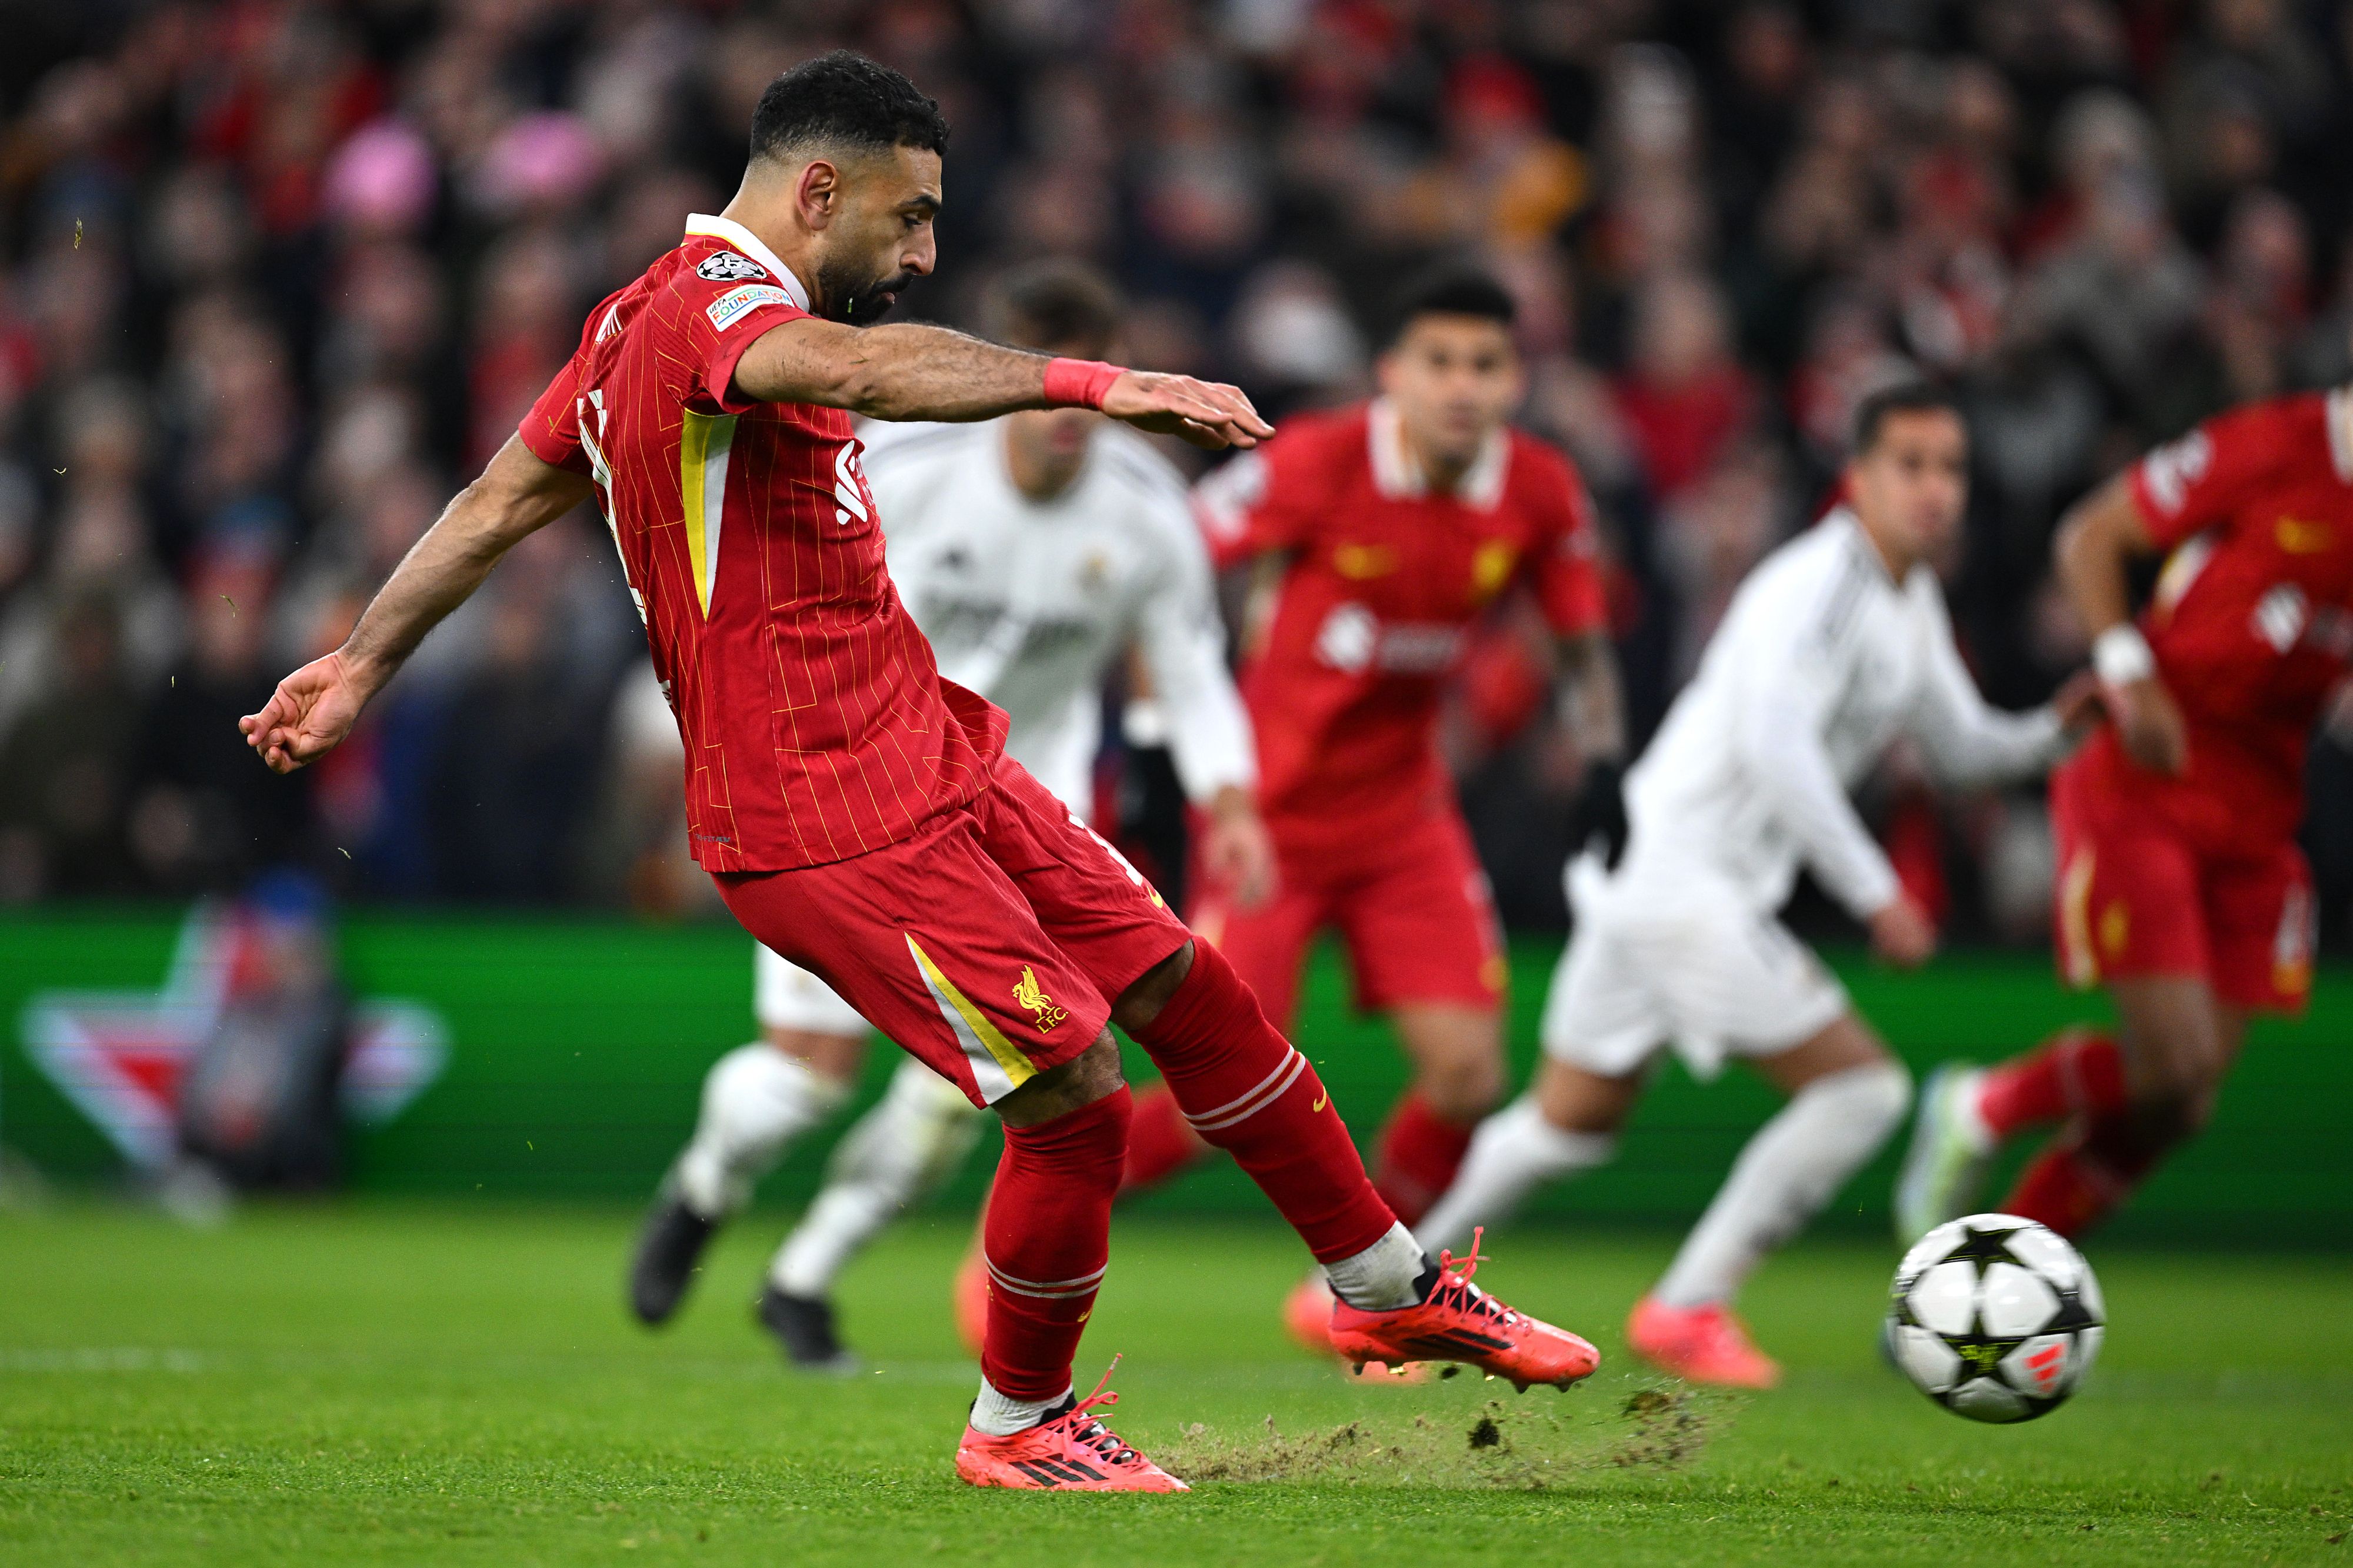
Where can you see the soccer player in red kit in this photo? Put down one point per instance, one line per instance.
(1383, 533)
(2180, 886)
(855, 809)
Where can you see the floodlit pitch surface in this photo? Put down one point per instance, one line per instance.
(453, 1382)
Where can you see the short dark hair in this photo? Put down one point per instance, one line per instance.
(1452, 290)
(844, 100)
(1053, 304)
(1904, 398)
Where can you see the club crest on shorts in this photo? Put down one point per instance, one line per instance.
(1028, 995)
(726, 267)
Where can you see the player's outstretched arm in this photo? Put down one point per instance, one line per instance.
(915, 371)
(2097, 542)
(314, 708)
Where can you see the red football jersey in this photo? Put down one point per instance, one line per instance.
(2251, 620)
(815, 723)
(1381, 583)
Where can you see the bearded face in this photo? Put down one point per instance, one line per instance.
(856, 291)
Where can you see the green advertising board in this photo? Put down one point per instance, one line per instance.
(546, 1057)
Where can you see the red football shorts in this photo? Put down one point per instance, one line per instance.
(990, 945)
(1413, 909)
(2134, 898)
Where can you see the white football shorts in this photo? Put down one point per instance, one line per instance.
(787, 996)
(1677, 959)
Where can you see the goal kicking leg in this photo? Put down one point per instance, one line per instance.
(996, 945)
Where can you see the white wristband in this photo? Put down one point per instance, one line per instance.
(2121, 655)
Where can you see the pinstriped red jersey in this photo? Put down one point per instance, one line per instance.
(815, 723)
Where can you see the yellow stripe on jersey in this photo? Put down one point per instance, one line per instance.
(976, 1030)
(703, 448)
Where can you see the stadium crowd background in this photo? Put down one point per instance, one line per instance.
(275, 277)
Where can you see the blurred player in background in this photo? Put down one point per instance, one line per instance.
(1034, 552)
(857, 810)
(1837, 643)
(1381, 534)
(2181, 887)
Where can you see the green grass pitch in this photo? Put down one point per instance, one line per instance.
(456, 1382)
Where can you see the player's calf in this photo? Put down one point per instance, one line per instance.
(2092, 1166)
(1846, 1097)
(2176, 1045)
(1966, 1114)
(1244, 1090)
(1247, 1090)
(756, 1099)
(1047, 1239)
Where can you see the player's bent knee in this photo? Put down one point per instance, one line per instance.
(1876, 1095)
(1091, 1075)
(1141, 1003)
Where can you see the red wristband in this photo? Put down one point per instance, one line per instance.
(1079, 382)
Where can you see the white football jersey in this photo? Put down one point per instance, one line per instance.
(1031, 603)
(1821, 661)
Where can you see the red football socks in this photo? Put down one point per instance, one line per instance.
(1420, 1155)
(1160, 1142)
(1048, 1240)
(2077, 1073)
(1246, 1091)
(2087, 1172)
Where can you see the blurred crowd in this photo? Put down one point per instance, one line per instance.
(275, 277)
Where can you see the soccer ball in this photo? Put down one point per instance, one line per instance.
(1995, 1318)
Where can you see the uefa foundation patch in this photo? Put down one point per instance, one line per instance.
(731, 306)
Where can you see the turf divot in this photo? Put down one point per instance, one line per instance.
(1514, 1443)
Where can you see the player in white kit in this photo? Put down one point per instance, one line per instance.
(1837, 643)
(1034, 552)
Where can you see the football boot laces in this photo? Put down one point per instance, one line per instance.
(1455, 1290)
(1088, 1432)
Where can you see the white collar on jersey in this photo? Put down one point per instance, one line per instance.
(1397, 474)
(744, 240)
(2340, 431)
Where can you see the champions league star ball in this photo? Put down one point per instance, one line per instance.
(1995, 1318)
